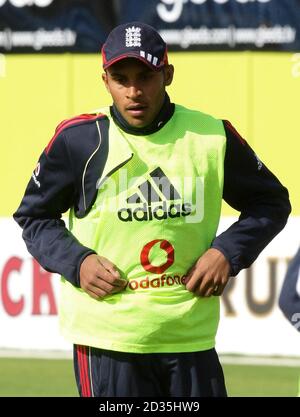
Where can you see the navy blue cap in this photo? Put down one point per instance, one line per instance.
(135, 40)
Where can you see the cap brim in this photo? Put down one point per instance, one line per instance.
(133, 55)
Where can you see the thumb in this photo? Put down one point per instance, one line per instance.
(109, 266)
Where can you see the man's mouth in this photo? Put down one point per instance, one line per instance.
(136, 109)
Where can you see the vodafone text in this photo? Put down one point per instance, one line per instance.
(163, 280)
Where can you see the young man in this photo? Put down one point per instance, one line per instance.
(289, 299)
(142, 267)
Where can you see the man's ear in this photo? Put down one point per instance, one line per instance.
(168, 74)
(104, 78)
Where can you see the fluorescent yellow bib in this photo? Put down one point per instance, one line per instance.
(153, 218)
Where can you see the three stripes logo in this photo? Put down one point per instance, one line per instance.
(152, 59)
(157, 198)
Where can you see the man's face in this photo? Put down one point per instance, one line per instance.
(137, 91)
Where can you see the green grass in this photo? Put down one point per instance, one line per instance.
(261, 381)
(37, 378)
(45, 378)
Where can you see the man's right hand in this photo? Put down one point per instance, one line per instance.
(99, 277)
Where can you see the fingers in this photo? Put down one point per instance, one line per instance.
(218, 290)
(109, 266)
(99, 287)
(99, 277)
(113, 279)
(199, 282)
(205, 285)
(95, 292)
(209, 275)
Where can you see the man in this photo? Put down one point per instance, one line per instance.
(142, 267)
(289, 299)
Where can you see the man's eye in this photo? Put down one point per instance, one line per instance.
(120, 80)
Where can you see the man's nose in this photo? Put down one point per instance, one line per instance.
(134, 92)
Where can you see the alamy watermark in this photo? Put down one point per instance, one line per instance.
(296, 320)
(152, 197)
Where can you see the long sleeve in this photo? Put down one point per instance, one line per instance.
(52, 191)
(289, 299)
(263, 203)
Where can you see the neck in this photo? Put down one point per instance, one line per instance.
(163, 116)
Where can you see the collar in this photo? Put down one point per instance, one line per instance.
(164, 115)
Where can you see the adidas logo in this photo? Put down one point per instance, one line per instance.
(154, 197)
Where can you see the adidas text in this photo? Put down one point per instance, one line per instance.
(160, 212)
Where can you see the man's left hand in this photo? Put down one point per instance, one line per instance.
(209, 275)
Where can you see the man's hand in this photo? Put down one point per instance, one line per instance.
(209, 275)
(99, 277)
